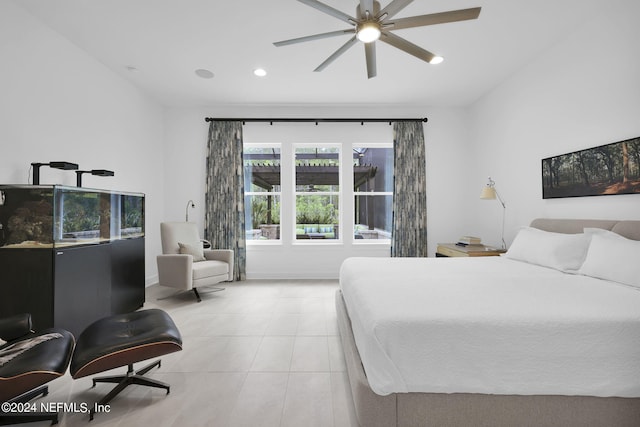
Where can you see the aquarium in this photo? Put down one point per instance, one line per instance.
(34, 216)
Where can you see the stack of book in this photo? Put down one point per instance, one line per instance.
(469, 240)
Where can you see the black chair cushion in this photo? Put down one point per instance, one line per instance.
(15, 326)
(124, 339)
(37, 365)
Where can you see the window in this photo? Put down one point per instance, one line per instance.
(262, 191)
(373, 192)
(317, 192)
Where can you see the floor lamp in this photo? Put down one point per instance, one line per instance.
(190, 204)
(489, 192)
(205, 243)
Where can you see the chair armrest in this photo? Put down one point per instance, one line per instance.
(225, 255)
(175, 270)
(15, 326)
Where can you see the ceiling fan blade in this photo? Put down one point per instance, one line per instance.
(364, 6)
(337, 53)
(314, 37)
(434, 18)
(394, 7)
(406, 46)
(329, 11)
(370, 54)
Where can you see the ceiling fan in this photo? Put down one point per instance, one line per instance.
(374, 24)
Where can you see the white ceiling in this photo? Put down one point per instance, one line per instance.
(167, 40)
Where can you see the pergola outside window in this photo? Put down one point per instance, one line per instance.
(262, 189)
(318, 191)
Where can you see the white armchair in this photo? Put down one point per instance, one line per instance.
(185, 265)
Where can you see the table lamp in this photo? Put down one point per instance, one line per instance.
(489, 192)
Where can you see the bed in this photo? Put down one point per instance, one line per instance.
(497, 341)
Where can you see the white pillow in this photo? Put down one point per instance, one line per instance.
(613, 257)
(195, 250)
(564, 252)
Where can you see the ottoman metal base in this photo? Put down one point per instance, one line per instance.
(129, 378)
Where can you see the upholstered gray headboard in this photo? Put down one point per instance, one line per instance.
(628, 229)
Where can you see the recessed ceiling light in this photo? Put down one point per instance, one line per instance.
(260, 72)
(205, 74)
(436, 60)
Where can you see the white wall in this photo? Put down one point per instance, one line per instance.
(445, 134)
(57, 103)
(582, 93)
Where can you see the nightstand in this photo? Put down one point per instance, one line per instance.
(453, 250)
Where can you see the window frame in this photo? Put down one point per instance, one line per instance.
(346, 194)
(295, 193)
(355, 194)
(278, 194)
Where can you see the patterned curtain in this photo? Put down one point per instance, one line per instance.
(409, 229)
(224, 198)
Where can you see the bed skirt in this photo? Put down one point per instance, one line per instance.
(475, 410)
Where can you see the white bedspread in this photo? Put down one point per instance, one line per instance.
(491, 325)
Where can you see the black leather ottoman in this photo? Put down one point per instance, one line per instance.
(123, 340)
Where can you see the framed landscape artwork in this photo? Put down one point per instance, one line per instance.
(604, 170)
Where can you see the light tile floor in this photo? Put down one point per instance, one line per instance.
(260, 353)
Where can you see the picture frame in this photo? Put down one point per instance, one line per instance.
(610, 169)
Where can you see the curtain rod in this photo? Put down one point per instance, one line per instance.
(316, 121)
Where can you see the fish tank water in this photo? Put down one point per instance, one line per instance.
(46, 216)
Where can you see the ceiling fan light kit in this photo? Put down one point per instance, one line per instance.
(368, 32)
(373, 23)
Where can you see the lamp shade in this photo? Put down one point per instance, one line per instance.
(488, 193)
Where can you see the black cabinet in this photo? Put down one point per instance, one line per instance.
(70, 256)
(82, 286)
(127, 267)
(26, 284)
